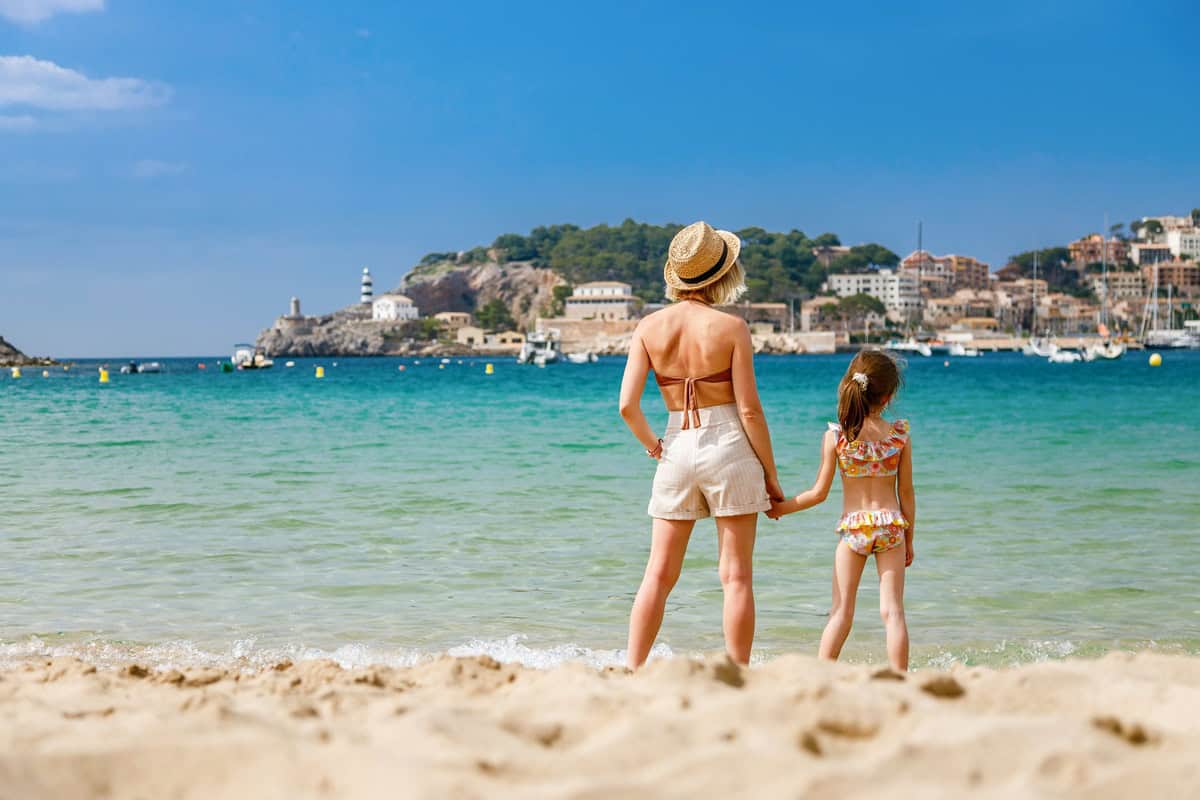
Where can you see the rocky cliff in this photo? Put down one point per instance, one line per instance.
(446, 286)
(443, 286)
(12, 357)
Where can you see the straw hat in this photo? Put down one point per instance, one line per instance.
(700, 255)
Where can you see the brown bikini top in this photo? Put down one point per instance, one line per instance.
(690, 410)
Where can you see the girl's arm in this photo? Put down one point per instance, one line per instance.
(745, 393)
(820, 488)
(908, 498)
(633, 383)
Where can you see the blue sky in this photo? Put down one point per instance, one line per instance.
(170, 173)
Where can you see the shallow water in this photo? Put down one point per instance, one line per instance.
(384, 515)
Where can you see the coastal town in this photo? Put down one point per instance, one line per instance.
(1139, 287)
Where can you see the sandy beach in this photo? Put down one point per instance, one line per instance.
(1122, 726)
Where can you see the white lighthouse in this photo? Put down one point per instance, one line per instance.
(368, 287)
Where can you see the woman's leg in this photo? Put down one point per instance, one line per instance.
(891, 605)
(668, 544)
(847, 571)
(735, 542)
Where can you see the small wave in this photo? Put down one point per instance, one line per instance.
(248, 655)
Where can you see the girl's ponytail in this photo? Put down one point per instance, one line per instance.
(852, 407)
(872, 378)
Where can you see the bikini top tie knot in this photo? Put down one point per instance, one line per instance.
(691, 408)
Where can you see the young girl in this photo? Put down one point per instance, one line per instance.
(878, 503)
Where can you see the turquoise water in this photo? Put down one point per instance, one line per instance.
(382, 515)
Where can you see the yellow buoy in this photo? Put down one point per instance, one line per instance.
(16, 372)
(104, 376)
(489, 369)
(320, 372)
(441, 366)
(1155, 360)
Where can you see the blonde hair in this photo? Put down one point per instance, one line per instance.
(721, 292)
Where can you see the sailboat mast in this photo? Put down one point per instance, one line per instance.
(1154, 296)
(1104, 263)
(1033, 322)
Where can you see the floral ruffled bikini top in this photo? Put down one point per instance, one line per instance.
(875, 459)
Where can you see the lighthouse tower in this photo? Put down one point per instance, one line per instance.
(368, 288)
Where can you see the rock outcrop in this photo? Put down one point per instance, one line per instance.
(346, 332)
(10, 356)
(528, 291)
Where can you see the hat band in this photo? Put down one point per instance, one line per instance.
(703, 276)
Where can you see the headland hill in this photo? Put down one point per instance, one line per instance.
(805, 294)
(10, 356)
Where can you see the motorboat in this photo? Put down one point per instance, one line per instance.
(1108, 351)
(909, 346)
(134, 368)
(960, 350)
(583, 358)
(1065, 356)
(247, 356)
(1040, 347)
(540, 348)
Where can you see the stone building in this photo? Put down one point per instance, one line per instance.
(1094, 248)
(601, 300)
(453, 320)
(393, 308)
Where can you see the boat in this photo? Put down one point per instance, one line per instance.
(583, 358)
(909, 345)
(247, 356)
(134, 368)
(960, 350)
(1041, 347)
(1038, 346)
(1107, 351)
(1169, 338)
(540, 348)
(1062, 355)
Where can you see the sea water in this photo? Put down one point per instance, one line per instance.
(385, 515)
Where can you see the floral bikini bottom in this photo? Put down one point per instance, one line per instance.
(867, 532)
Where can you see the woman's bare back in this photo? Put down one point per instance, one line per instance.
(691, 340)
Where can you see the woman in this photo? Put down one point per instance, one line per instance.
(715, 457)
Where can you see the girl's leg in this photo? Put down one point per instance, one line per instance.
(735, 544)
(847, 571)
(891, 605)
(668, 544)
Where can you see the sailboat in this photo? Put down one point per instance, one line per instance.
(1108, 350)
(1163, 338)
(1043, 347)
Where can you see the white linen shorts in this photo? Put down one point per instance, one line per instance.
(710, 470)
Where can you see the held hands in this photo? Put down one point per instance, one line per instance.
(774, 490)
(781, 507)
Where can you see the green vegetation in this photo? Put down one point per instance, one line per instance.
(859, 305)
(495, 316)
(778, 265)
(559, 304)
(1052, 267)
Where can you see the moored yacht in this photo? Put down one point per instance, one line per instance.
(540, 348)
